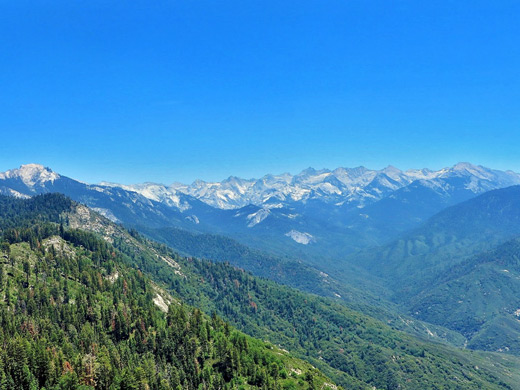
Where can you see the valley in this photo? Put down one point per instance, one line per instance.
(259, 195)
(427, 269)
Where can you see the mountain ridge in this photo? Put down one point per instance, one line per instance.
(351, 348)
(317, 215)
(357, 186)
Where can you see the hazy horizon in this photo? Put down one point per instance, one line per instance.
(294, 173)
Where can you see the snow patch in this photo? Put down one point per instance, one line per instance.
(256, 218)
(193, 218)
(301, 238)
(274, 206)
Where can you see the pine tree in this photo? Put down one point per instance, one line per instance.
(27, 270)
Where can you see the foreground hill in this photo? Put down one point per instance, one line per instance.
(74, 316)
(354, 349)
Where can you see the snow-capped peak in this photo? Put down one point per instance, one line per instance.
(155, 192)
(342, 186)
(31, 174)
(391, 170)
(465, 168)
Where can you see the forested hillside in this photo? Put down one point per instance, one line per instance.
(303, 277)
(411, 263)
(355, 350)
(480, 298)
(284, 270)
(352, 348)
(74, 316)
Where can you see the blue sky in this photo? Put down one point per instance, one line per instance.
(177, 90)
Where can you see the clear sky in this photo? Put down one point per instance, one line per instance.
(133, 91)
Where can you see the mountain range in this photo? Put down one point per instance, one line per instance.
(355, 187)
(431, 253)
(321, 217)
(118, 311)
(343, 210)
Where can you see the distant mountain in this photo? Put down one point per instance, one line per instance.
(446, 239)
(353, 186)
(318, 216)
(460, 269)
(322, 215)
(480, 298)
(284, 270)
(310, 206)
(409, 206)
(115, 203)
